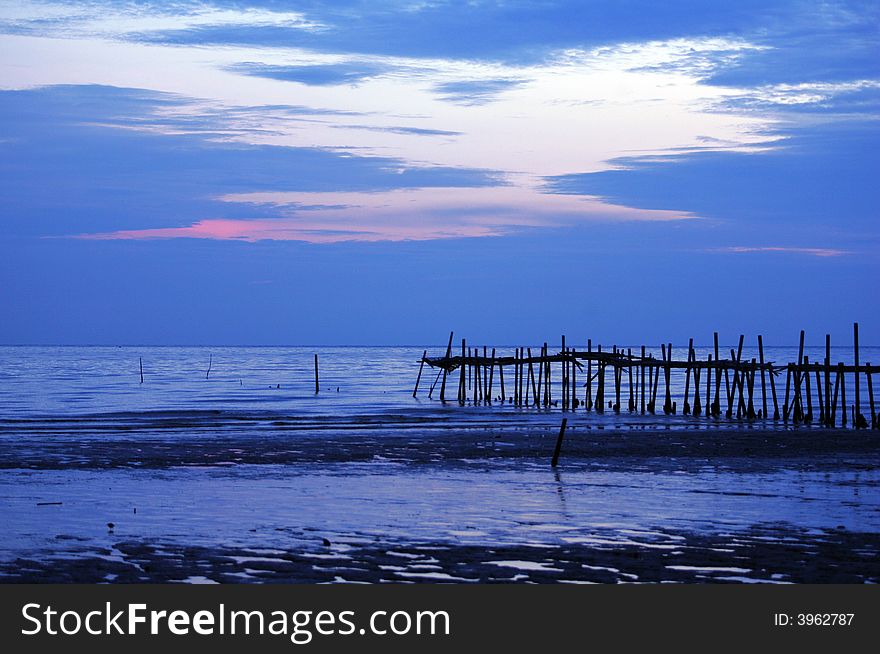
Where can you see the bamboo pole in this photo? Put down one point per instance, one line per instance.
(419, 378)
(750, 407)
(555, 460)
(491, 376)
(642, 367)
(618, 371)
(858, 421)
(501, 380)
(834, 405)
(141, 364)
(809, 417)
(589, 391)
(629, 368)
(462, 381)
(871, 398)
(828, 380)
(532, 378)
(317, 387)
(716, 405)
(436, 379)
(785, 406)
(686, 407)
(445, 372)
(708, 386)
(763, 378)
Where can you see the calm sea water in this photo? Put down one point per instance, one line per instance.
(84, 443)
(77, 381)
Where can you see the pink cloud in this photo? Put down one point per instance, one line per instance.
(400, 215)
(815, 252)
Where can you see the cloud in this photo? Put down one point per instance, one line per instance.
(398, 215)
(313, 74)
(813, 252)
(474, 92)
(122, 20)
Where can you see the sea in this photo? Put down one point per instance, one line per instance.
(116, 459)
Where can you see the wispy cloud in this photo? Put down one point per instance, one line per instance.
(400, 215)
(119, 20)
(813, 252)
(474, 92)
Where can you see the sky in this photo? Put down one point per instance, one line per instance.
(354, 172)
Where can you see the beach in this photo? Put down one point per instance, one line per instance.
(245, 475)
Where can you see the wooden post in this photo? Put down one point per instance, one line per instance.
(540, 378)
(785, 407)
(618, 374)
(501, 379)
(750, 408)
(655, 384)
(462, 377)
(317, 386)
(555, 460)
(697, 410)
(741, 405)
(476, 368)
(809, 417)
(834, 404)
(516, 377)
(857, 422)
(419, 378)
(642, 366)
(798, 399)
(546, 375)
(871, 397)
(487, 393)
(532, 378)
(436, 379)
(667, 403)
(709, 386)
(589, 391)
(491, 376)
(564, 377)
(732, 394)
(548, 370)
(828, 379)
(773, 389)
(716, 405)
(445, 371)
(842, 376)
(210, 362)
(600, 381)
(686, 408)
(141, 364)
(819, 397)
(629, 369)
(763, 378)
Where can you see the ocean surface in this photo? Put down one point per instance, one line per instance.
(268, 480)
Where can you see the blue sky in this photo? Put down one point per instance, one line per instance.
(383, 172)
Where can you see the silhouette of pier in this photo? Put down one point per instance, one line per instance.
(723, 385)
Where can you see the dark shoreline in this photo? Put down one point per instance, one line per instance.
(772, 553)
(655, 448)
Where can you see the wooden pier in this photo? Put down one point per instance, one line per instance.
(724, 385)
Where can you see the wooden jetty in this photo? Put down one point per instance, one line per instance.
(722, 385)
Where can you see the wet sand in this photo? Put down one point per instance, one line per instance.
(271, 498)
